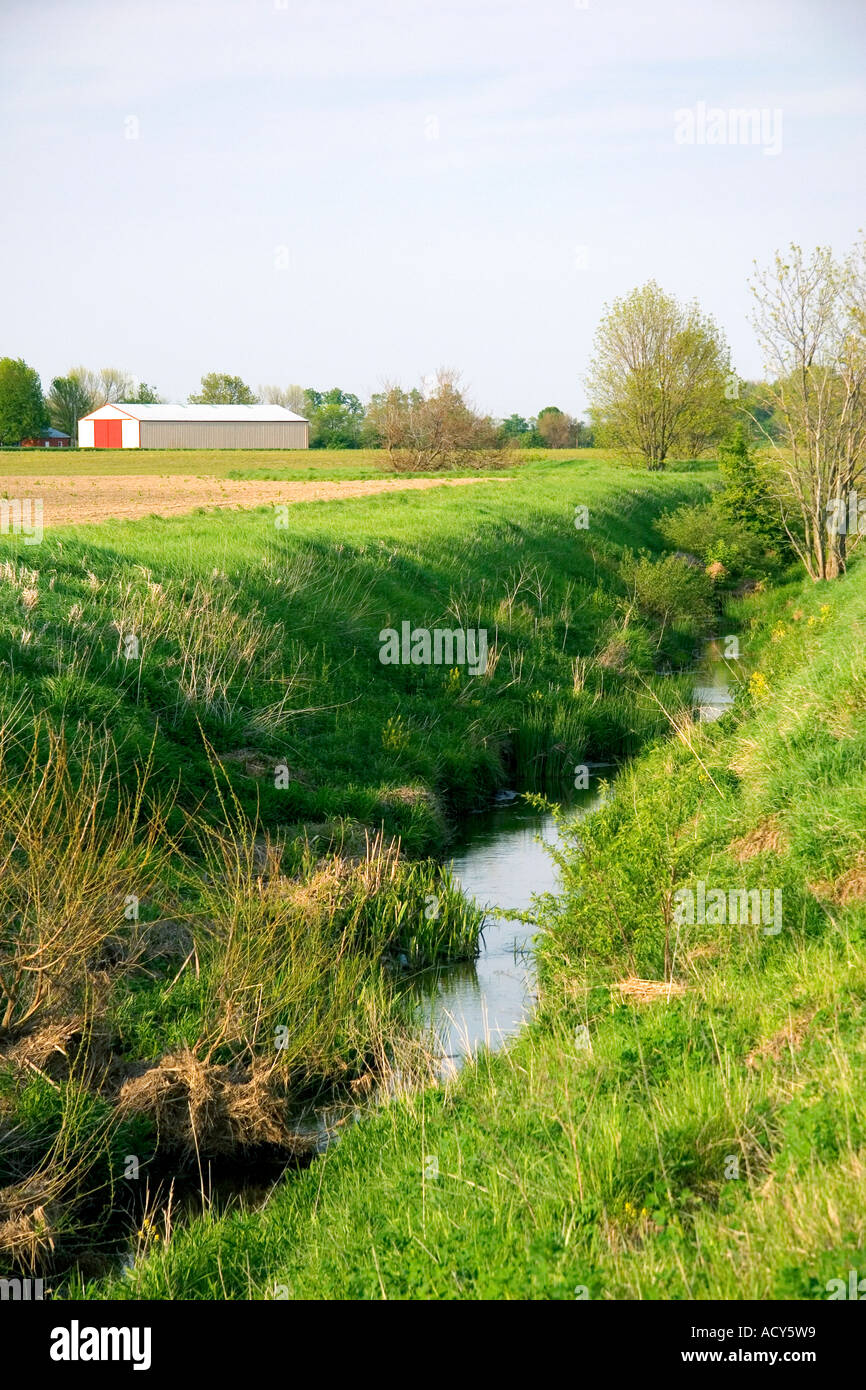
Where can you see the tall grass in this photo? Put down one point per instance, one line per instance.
(278, 917)
(697, 1142)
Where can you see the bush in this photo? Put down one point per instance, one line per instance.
(746, 499)
(706, 531)
(669, 590)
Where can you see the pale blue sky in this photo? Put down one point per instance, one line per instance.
(455, 182)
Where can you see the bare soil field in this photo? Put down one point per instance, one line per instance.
(70, 499)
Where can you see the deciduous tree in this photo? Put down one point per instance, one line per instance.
(811, 321)
(657, 379)
(67, 401)
(435, 427)
(335, 418)
(291, 397)
(22, 408)
(144, 395)
(219, 388)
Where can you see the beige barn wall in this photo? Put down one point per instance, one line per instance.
(216, 434)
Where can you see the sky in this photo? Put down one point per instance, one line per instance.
(350, 194)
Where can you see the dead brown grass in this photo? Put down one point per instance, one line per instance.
(787, 1039)
(28, 1221)
(212, 1110)
(649, 991)
(848, 887)
(768, 837)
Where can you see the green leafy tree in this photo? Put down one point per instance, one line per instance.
(658, 376)
(144, 395)
(335, 418)
(218, 388)
(747, 498)
(67, 401)
(22, 409)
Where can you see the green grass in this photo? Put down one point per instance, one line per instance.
(211, 463)
(277, 464)
(267, 642)
(243, 773)
(707, 1145)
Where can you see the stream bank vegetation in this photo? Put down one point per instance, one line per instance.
(270, 803)
(685, 1117)
(220, 839)
(174, 1001)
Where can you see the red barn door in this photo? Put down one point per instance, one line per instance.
(108, 434)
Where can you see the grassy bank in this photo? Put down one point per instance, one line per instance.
(266, 642)
(296, 464)
(705, 1138)
(209, 771)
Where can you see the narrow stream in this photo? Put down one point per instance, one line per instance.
(713, 696)
(501, 860)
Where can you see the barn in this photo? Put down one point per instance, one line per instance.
(126, 426)
(47, 439)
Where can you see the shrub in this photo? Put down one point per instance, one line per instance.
(669, 590)
(706, 531)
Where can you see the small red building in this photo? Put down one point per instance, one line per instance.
(48, 439)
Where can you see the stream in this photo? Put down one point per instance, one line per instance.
(501, 860)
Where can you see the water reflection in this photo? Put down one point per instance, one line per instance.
(501, 861)
(713, 697)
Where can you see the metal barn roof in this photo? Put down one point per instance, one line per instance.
(199, 413)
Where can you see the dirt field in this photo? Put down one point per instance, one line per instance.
(70, 499)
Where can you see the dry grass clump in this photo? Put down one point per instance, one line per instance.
(847, 887)
(29, 1218)
(768, 837)
(38, 1049)
(787, 1039)
(615, 656)
(649, 991)
(213, 1110)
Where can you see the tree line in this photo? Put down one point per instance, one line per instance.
(660, 383)
(338, 419)
(25, 412)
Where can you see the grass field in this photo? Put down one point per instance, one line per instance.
(199, 701)
(299, 464)
(194, 716)
(210, 463)
(267, 641)
(82, 498)
(708, 1144)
